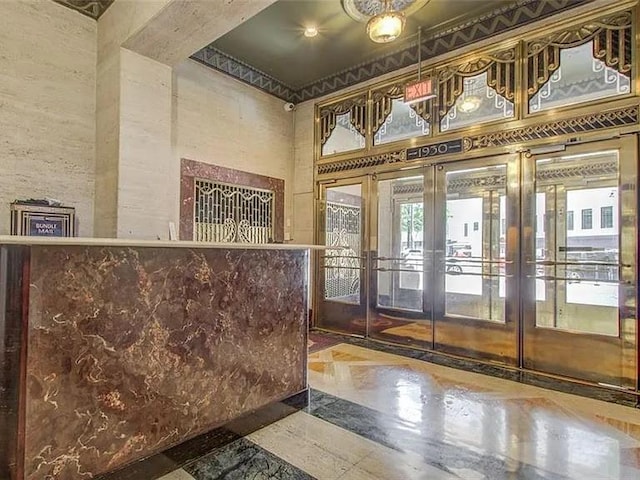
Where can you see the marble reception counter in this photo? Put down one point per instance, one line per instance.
(114, 350)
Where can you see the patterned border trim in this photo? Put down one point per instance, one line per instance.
(585, 123)
(363, 162)
(513, 15)
(218, 60)
(90, 8)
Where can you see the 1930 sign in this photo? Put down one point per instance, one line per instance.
(435, 150)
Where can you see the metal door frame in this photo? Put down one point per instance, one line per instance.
(542, 347)
(342, 309)
(402, 314)
(469, 332)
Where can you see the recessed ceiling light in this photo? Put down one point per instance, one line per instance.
(310, 31)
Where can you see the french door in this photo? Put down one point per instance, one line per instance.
(443, 270)
(476, 259)
(401, 276)
(525, 260)
(341, 279)
(579, 267)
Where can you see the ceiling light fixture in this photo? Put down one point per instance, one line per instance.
(310, 31)
(386, 26)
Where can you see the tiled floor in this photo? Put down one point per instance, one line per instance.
(375, 415)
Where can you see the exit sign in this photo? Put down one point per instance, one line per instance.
(418, 91)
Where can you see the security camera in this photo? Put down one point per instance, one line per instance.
(289, 107)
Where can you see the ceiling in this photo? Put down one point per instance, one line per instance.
(270, 52)
(273, 41)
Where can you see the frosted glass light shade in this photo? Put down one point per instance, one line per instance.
(385, 27)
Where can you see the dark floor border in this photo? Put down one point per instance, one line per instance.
(192, 450)
(527, 377)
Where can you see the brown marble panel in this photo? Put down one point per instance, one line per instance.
(190, 170)
(132, 350)
(13, 321)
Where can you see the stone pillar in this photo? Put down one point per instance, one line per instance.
(137, 176)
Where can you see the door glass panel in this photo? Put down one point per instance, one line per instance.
(344, 137)
(579, 78)
(343, 228)
(475, 243)
(404, 121)
(400, 277)
(577, 243)
(478, 103)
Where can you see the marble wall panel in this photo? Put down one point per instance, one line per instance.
(132, 350)
(190, 170)
(12, 318)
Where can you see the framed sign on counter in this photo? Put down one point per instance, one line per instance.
(38, 220)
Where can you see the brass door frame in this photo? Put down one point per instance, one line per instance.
(341, 311)
(472, 337)
(401, 314)
(609, 360)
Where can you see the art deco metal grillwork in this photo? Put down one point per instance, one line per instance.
(587, 170)
(583, 123)
(501, 77)
(357, 107)
(232, 213)
(342, 267)
(363, 162)
(612, 44)
(383, 103)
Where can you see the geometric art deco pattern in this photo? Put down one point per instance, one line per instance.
(580, 124)
(584, 123)
(514, 14)
(90, 8)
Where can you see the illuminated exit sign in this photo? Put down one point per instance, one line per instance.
(418, 91)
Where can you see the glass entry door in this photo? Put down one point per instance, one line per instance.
(341, 305)
(579, 301)
(475, 307)
(401, 258)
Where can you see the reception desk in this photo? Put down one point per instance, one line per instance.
(115, 350)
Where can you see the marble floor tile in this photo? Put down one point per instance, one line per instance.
(311, 445)
(243, 460)
(177, 475)
(503, 428)
(407, 436)
(327, 451)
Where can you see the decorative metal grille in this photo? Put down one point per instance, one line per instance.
(232, 213)
(342, 267)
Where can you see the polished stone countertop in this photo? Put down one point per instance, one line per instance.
(123, 242)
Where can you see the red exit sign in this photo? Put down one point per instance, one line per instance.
(418, 91)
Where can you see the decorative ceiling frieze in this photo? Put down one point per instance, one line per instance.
(218, 60)
(90, 8)
(513, 15)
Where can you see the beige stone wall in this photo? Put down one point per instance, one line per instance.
(47, 107)
(303, 212)
(222, 121)
(147, 171)
(121, 20)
